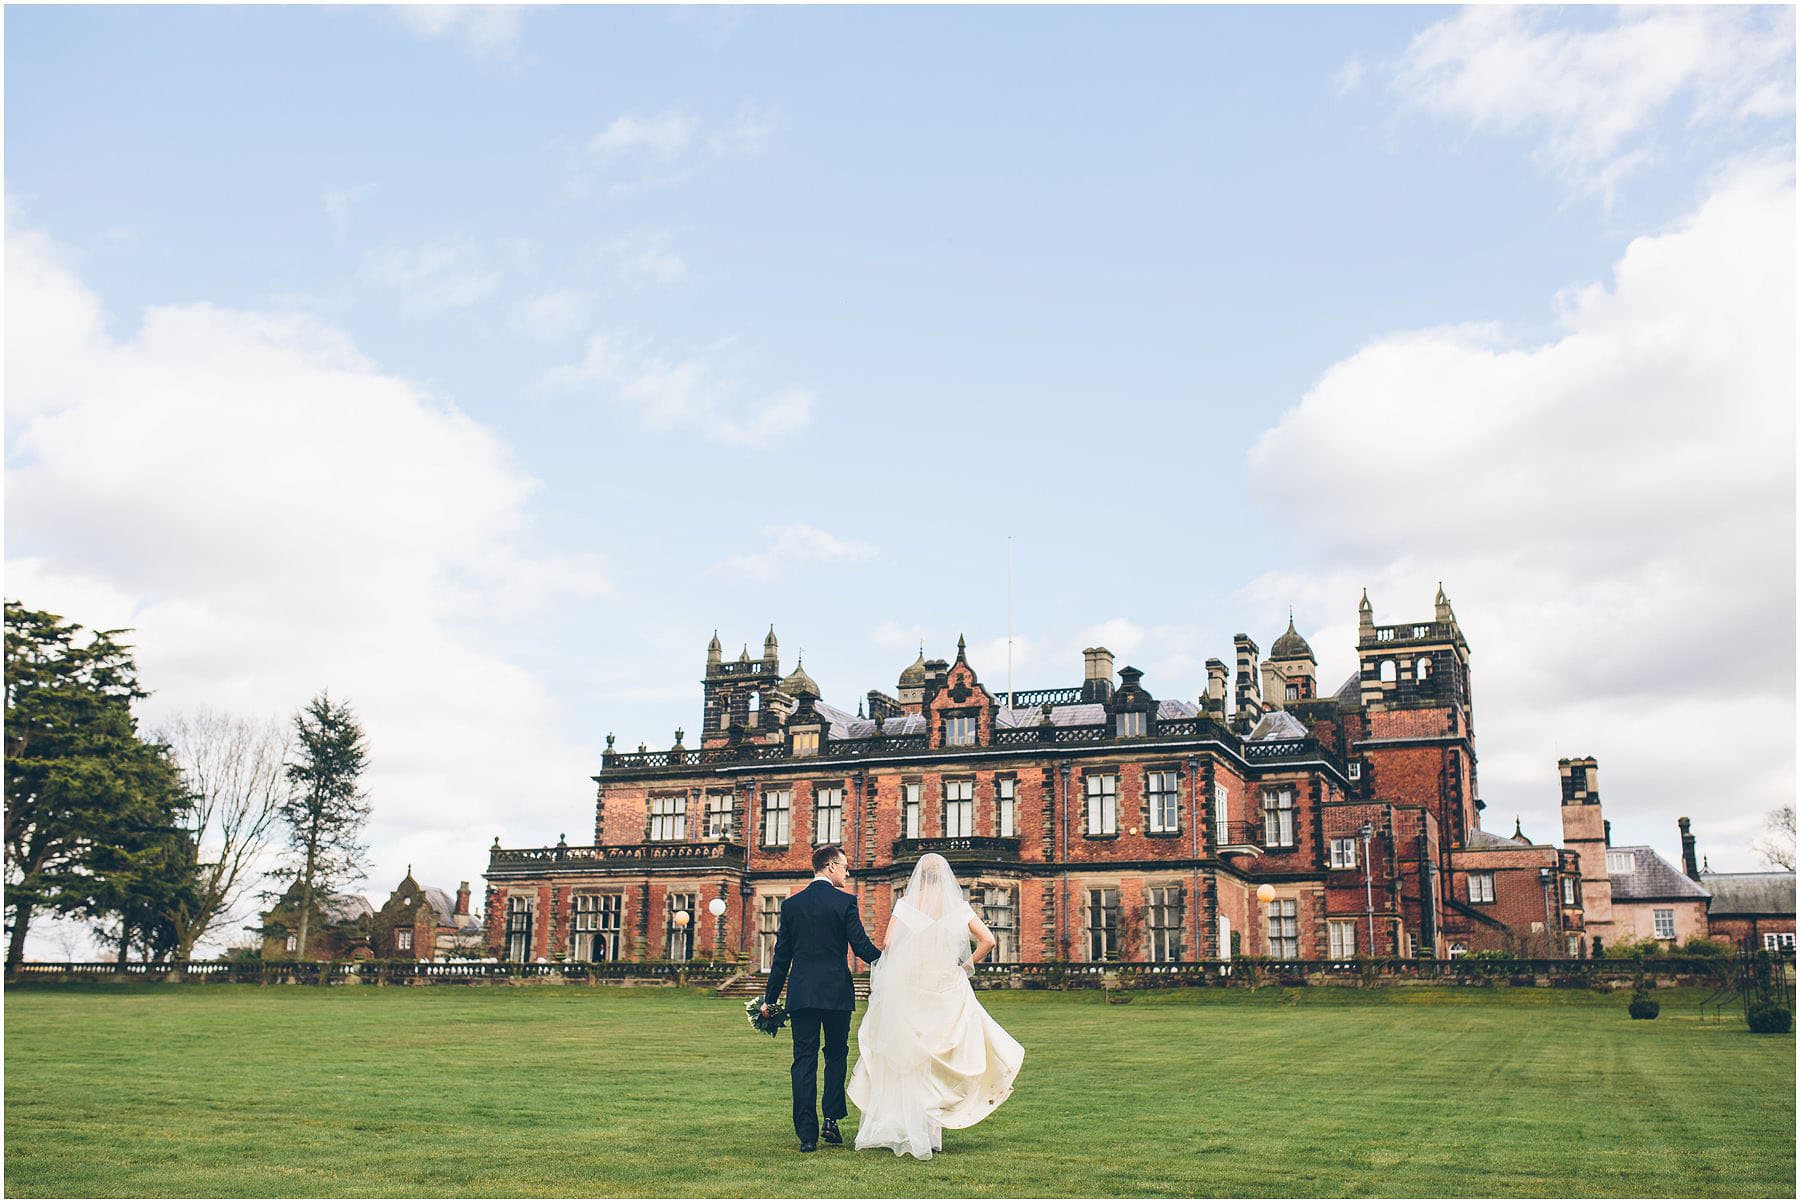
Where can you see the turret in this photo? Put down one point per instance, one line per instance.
(1585, 833)
(714, 653)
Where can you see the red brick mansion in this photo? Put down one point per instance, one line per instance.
(1091, 822)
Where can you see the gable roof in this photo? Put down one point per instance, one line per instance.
(1350, 692)
(1278, 724)
(443, 904)
(1750, 893)
(1652, 879)
(342, 908)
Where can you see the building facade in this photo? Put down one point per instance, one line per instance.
(415, 923)
(1090, 822)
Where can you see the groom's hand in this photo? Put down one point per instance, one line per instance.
(765, 1008)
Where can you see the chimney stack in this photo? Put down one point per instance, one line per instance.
(1689, 862)
(1215, 686)
(462, 898)
(1096, 675)
(1249, 687)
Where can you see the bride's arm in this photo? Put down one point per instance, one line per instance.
(984, 939)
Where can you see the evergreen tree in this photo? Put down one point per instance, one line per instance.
(325, 808)
(86, 798)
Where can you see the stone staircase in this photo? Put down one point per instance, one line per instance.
(752, 985)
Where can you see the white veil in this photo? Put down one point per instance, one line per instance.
(928, 933)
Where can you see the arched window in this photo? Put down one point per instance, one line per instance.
(1422, 667)
(755, 700)
(1389, 671)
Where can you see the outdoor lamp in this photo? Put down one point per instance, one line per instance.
(717, 907)
(681, 918)
(1265, 893)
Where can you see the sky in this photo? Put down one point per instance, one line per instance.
(478, 363)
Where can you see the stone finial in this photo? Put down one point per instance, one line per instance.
(609, 741)
(679, 732)
(642, 746)
(562, 840)
(713, 651)
(962, 647)
(496, 846)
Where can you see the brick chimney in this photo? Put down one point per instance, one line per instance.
(1690, 863)
(1249, 687)
(1096, 674)
(462, 898)
(1216, 674)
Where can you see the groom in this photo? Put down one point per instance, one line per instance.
(818, 925)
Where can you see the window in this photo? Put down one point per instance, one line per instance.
(1457, 950)
(1481, 887)
(681, 937)
(1278, 817)
(1572, 946)
(1102, 924)
(1284, 929)
(1293, 693)
(1356, 770)
(1778, 941)
(1343, 854)
(1388, 671)
(1422, 667)
(959, 731)
(959, 808)
(1571, 891)
(1001, 914)
(778, 804)
(1006, 793)
(828, 815)
(1342, 936)
(1620, 862)
(668, 818)
(1663, 919)
(403, 939)
(768, 927)
(293, 942)
(518, 928)
(1221, 815)
(1132, 724)
(909, 811)
(1160, 791)
(806, 743)
(1103, 804)
(752, 707)
(718, 816)
(594, 927)
(1165, 923)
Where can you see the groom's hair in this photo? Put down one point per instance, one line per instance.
(823, 855)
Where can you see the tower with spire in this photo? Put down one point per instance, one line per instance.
(737, 692)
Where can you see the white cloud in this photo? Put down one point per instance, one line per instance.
(750, 134)
(791, 545)
(433, 278)
(1611, 510)
(551, 316)
(664, 135)
(696, 394)
(1593, 96)
(273, 514)
(485, 32)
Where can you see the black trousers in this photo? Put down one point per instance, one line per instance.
(807, 1024)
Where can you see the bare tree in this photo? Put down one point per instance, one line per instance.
(1776, 844)
(235, 771)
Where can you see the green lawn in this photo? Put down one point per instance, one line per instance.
(554, 1090)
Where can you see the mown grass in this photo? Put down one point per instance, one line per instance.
(604, 1091)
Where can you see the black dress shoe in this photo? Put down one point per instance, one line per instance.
(830, 1134)
(809, 1146)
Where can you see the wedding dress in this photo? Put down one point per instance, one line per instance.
(928, 1056)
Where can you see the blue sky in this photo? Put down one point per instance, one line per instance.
(610, 327)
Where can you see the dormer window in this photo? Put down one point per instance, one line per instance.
(1133, 724)
(1620, 862)
(959, 731)
(806, 742)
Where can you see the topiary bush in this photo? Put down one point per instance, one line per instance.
(1642, 1005)
(1770, 1018)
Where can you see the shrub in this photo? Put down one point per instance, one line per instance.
(1487, 954)
(1770, 1018)
(1627, 949)
(1642, 1005)
(1701, 946)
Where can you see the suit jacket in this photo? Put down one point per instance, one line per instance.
(818, 925)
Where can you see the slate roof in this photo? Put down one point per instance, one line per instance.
(1652, 879)
(1487, 839)
(1750, 893)
(1350, 692)
(443, 904)
(342, 908)
(1278, 724)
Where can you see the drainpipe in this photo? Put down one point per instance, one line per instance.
(1193, 774)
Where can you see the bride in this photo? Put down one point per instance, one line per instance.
(929, 1057)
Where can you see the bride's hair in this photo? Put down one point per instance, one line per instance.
(933, 889)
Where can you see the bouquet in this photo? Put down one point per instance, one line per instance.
(768, 1024)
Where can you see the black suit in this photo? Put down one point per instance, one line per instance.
(818, 926)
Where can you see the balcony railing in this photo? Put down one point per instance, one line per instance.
(960, 847)
(616, 856)
(1239, 837)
